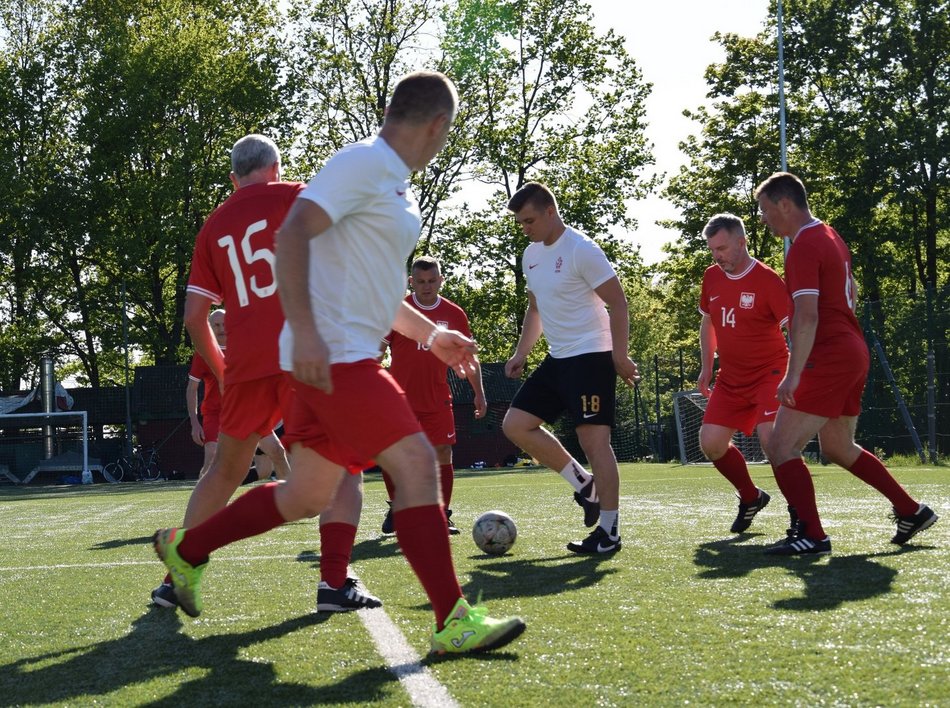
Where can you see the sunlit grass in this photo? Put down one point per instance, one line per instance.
(686, 612)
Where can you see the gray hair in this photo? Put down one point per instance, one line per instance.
(252, 152)
(730, 222)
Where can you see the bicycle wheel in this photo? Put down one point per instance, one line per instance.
(113, 471)
(150, 471)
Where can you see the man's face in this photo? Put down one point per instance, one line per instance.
(728, 250)
(217, 326)
(774, 215)
(537, 224)
(425, 284)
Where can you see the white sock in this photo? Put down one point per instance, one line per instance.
(609, 521)
(576, 475)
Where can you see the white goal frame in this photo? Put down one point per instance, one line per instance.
(83, 415)
(687, 404)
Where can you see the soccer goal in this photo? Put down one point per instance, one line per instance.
(52, 431)
(688, 409)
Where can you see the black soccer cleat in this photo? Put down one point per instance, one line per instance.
(453, 530)
(591, 508)
(747, 512)
(164, 596)
(910, 526)
(800, 546)
(388, 526)
(352, 596)
(598, 542)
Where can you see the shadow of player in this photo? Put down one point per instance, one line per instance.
(827, 584)
(156, 647)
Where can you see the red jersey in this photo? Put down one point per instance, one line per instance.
(819, 263)
(233, 264)
(200, 371)
(747, 311)
(422, 375)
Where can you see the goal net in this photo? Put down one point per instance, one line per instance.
(688, 409)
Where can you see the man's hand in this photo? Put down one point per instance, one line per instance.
(481, 406)
(514, 367)
(197, 434)
(702, 383)
(311, 360)
(627, 370)
(786, 390)
(456, 350)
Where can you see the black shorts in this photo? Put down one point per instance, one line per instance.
(585, 385)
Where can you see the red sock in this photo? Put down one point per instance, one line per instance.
(795, 482)
(390, 488)
(250, 514)
(336, 544)
(870, 470)
(732, 466)
(447, 478)
(423, 536)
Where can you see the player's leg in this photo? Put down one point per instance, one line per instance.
(837, 444)
(185, 551)
(424, 540)
(272, 447)
(790, 433)
(227, 471)
(605, 538)
(443, 456)
(338, 591)
(208, 451)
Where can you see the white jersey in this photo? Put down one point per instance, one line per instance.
(562, 278)
(358, 265)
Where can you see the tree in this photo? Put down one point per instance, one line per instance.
(550, 100)
(164, 90)
(31, 143)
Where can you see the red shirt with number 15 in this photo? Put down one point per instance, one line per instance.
(233, 264)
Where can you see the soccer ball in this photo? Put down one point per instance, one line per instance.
(494, 532)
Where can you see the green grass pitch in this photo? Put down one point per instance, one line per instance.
(685, 613)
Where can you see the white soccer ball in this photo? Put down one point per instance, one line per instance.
(494, 532)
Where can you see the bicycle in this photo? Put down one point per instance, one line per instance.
(142, 465)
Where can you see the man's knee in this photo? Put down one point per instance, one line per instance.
(515, 426)
(712, 444)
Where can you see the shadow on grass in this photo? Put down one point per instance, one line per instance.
(536, 577)
(120, 542)
(156, 648)
(827, 584)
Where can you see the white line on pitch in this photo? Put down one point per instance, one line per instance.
(423, 688)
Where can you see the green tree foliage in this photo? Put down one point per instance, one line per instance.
(32, 139)
(549, 100)
(125, 113)
(868, 114)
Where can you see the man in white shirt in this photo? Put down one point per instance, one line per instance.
(341, 255)
(569, 283)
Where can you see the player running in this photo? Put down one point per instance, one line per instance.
(827, 369)
(340, 267)
(233, 263)
(423, 377)
(744, 305)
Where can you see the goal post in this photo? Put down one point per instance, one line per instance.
(688, 410)
(43, 420)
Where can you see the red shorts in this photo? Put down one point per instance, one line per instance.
(366, 413)
(746, 407)
(254, 406)
(210, 425)
(439, 426)
(833, 389)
